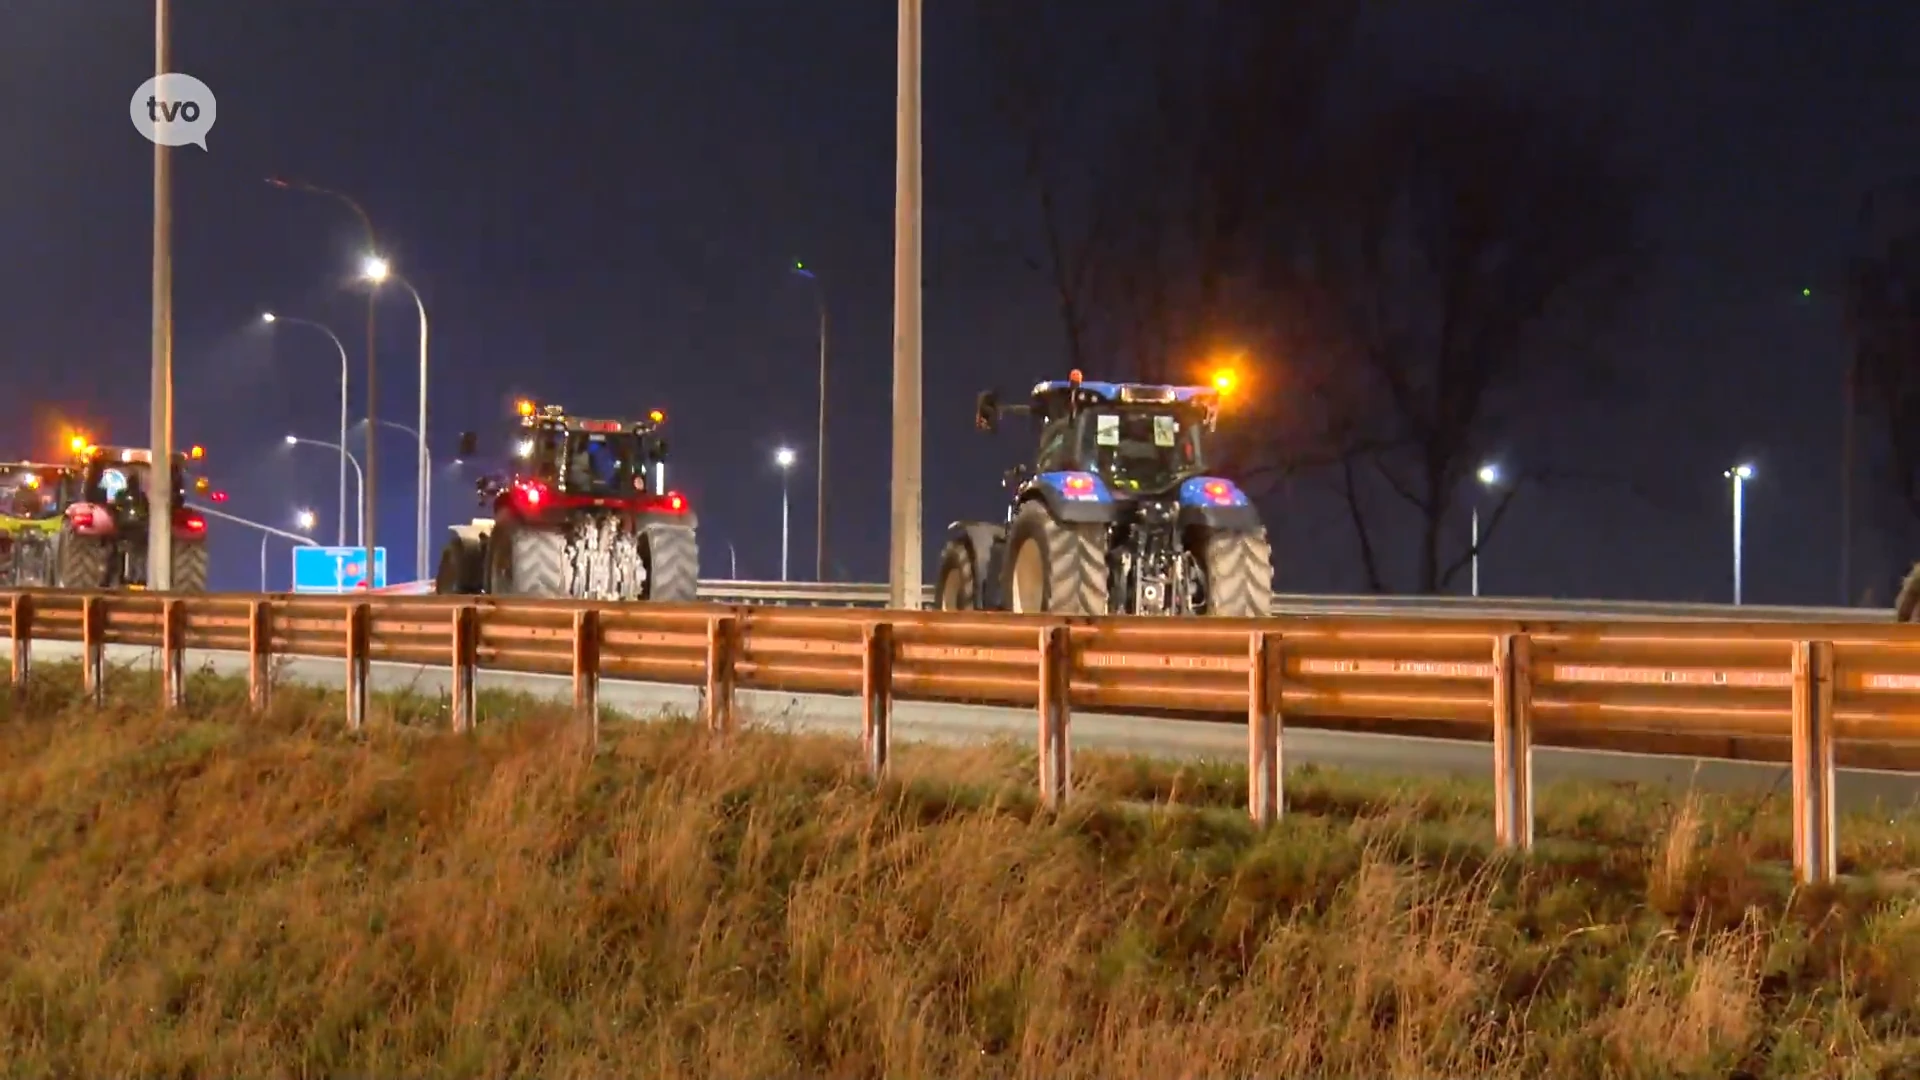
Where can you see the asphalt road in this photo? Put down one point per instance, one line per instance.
(1857, 789)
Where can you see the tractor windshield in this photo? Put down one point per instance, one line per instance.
(1142, 450)
(123, 484)
(605, 463)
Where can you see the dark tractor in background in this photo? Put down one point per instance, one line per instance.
(83, 524)
(579, 512)
(1117, 514)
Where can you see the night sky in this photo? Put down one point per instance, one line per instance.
(599, 202)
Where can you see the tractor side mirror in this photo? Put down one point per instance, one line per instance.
(657, 451)
(200, 485)
(469, 444)
(986, 413)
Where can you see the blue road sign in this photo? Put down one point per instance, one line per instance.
(336, 569)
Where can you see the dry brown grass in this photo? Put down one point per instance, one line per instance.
(211, 895)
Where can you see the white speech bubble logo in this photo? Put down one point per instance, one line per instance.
(173, 110)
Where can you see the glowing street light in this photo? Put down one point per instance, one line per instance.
(1489, 477)
(784, 458)
(305, 520)
(1739, 474)
(378, 271)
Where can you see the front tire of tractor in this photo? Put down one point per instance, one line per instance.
(672, 557)
(1239, 572)
(81, 561)
(1055, 568)
(526, 560)
(190, 566)
(1906, 608)
(460, 571)
(958, 586)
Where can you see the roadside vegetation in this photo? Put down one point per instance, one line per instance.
(213, 894)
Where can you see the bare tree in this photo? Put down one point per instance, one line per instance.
(1467, 251)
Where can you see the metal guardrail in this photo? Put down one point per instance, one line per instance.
(1811, 694)
(874, 594)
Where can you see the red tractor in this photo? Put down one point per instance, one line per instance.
(581, 511)
(101, 539)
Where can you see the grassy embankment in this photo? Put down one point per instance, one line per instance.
(212, 895)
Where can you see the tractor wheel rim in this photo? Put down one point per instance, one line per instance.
(1029, 580)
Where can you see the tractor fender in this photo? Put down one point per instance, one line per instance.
(1096, 507)
(474, 533)
(656, 518)
(1217, 504)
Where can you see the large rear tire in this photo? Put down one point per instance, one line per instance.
(1054, 568)
(1239, 571)
(958, 586)
(191, 566)
(80, 561)
(526, 560)
(672, 555)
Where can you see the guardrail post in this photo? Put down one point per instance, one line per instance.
(466, 661)
(876, 697)
(1513, 741)
(359, 666)
(1266, 666)
(1814, 861)
(20, 625)
(259, 654)
(586, 671)
(1056, 710)
(723, 640)
(173, 653)
(93, 649)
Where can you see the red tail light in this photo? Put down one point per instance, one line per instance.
(218, 496)
(529, 494)
(193, 523)
(676, 503)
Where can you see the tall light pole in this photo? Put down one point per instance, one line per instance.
(160, 418)
(359, 480)
(784, 458)
(820, 448)
(377, 270)
(1739, 474)
(1489, 476)
(903, 575)
(426, 497)
(340, 522)
(367, 516)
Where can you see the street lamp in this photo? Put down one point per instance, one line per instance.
(367, 517)
(820, 448)
(784, 458)
(359, 481)
(340, 523)
(1489, 477)
(304, 521)
(1739, 474)
(378, 271)
(426, 495)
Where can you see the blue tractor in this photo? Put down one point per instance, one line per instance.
(1117, 513)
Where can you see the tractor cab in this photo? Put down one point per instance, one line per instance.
(1139, 439)
(36, 491)
(117, 478)
(560, 458)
